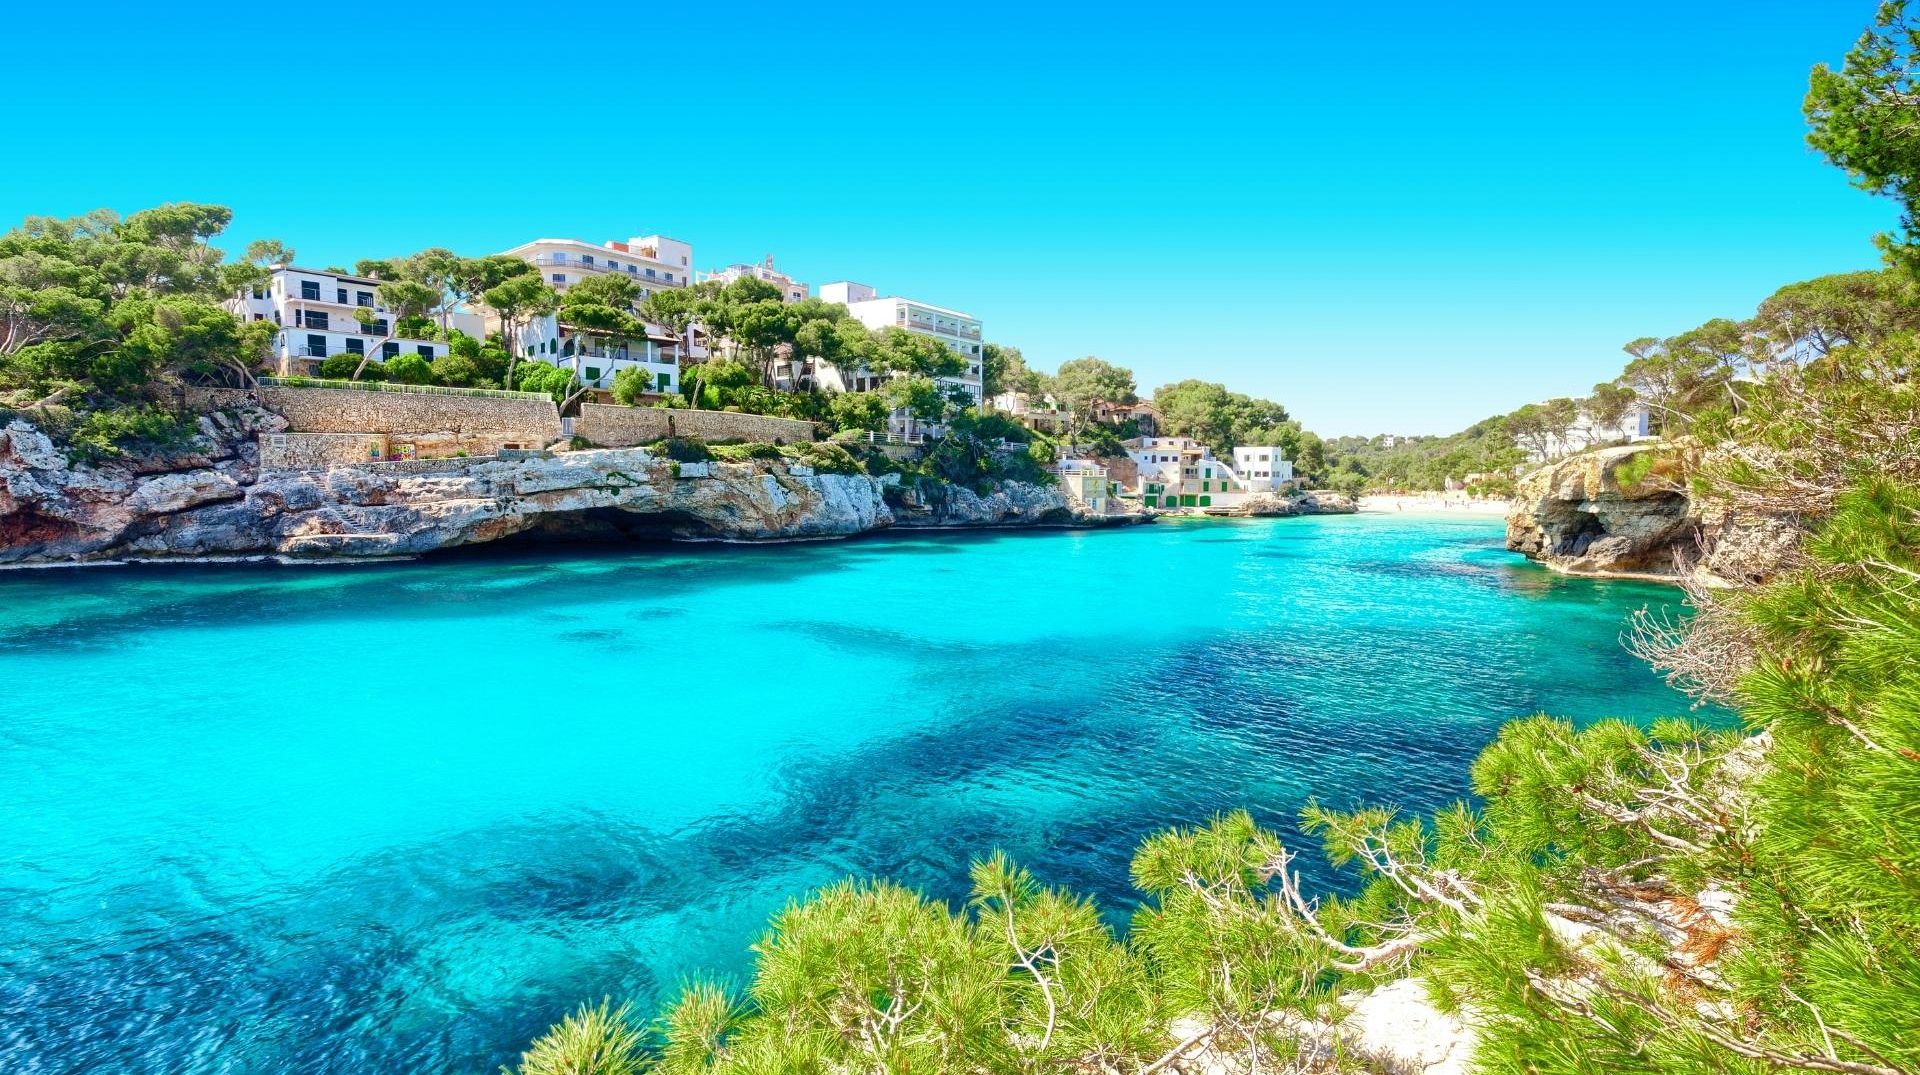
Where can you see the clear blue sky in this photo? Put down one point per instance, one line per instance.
(1394, 217)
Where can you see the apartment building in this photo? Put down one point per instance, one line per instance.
(959, 331)
(654, 263)
(791, 290)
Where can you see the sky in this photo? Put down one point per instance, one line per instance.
(1392, 217)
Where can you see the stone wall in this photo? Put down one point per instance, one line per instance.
(625, 427)
(346, 410)
(298, 450)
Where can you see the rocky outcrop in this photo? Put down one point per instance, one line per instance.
(1306, 502)
(1010, 504)
(219, 503)
(1628, 511)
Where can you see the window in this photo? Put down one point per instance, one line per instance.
(340, 295)
(310, 289)
(586, 259)
(559, 278)
(259, 293)
(313, 318)
(612, 264)
(593, 373)
(389, 349)
(356, 345)
(649, 272)
(664, 383)
(669, 278)
(423, 350)
(316, 346)
(363, 298)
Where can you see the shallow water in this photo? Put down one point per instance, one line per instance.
(396, 818)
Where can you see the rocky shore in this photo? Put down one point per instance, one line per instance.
(217, 502)
(1627, 511)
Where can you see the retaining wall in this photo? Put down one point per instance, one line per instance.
(626, 427)
(346, 410)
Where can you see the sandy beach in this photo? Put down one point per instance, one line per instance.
(1435, 502)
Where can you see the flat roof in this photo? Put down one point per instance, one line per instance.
(328, 272)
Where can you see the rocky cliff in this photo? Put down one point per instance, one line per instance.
(1628, 511)
(1307, 502)
(216, 501)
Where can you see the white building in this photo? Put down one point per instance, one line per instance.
(791, 290)
(1586, 433)
(959, 331)
(1180, 472)
(319, 314)
(653, 263)
(1086, 481)
(1262, 468)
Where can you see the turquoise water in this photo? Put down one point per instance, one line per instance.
(397, 818)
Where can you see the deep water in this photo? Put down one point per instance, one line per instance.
(397, 818)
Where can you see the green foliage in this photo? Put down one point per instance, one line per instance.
(1083, 382)
(139, 428)
(1224, 420)
(1861, 117)
(630, 384)
(409, 369)
(1418, 463)
(457, 371)
(682, 449)
(540, 377)
(592, 1041)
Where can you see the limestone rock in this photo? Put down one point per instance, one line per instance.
(1626, 511)
(216, 502)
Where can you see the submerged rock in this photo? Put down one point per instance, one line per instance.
(217, 502)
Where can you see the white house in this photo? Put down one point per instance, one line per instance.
(1180, 472)
(319, 314)
(653, 263)
(959, 331)
(1262, 468)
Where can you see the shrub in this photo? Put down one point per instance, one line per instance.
(340, 367)
(737, 453)
(146, 427)
(682, 449)
(827, 458)
(459, 371)
(630, 384)
(591, 1041)
(410, 369)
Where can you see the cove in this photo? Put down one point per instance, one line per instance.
(397, 818)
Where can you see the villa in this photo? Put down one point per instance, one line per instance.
(322, 314)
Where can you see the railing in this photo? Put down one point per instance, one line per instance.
(394, 386)
(894, 438)
(638, 272)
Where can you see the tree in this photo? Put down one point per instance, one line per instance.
(1083, 382)
(517, 300)
(405, 300)
(1809, 319)
(1610, 404)
(1863, 118)
(861, 411)
(1004, 369)
(913, 354)
(267, 253)
(1542, 428)
(599, 307)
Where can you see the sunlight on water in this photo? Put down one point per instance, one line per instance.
(397, 818)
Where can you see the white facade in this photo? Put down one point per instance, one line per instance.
(319, 316)
(960, 332)
(1262, 468)
(1085, 481)
(1180, 472)
(791, 290)
(653, 263)
(1586, 433)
